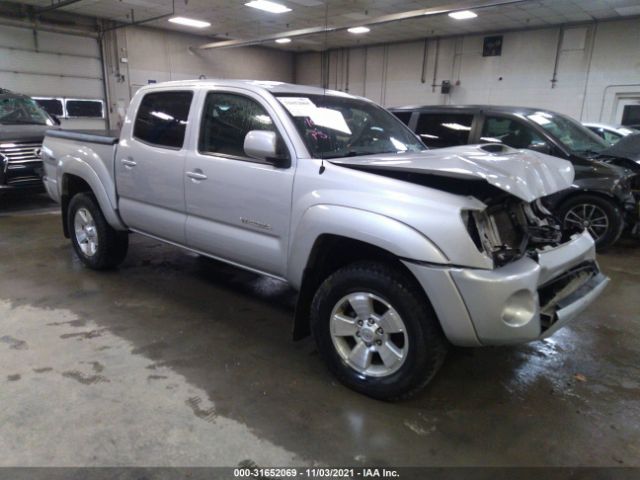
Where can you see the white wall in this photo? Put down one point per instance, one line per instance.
(159, 55)
(51, 65)
(602, 60)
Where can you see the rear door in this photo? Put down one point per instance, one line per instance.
(150, 165)
(238, 207)
(439, 129)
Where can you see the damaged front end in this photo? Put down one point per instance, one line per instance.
(512, 228)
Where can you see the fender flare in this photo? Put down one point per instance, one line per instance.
(373, 228)
(72, 165)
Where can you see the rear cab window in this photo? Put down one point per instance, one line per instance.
(162, 118)
(439, 130)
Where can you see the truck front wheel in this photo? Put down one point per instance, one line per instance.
(95, 242)
(376, 330)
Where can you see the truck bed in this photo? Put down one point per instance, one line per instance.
(104, 137)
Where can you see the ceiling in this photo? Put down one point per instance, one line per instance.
(231, 19)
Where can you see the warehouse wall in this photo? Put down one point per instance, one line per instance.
(156, 56)
(51, 64)
(598, 67)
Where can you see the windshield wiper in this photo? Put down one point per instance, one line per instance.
(353, 153)
(588, 153)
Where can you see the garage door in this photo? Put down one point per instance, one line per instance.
(55, 67)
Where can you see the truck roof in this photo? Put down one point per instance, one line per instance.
(254, 85)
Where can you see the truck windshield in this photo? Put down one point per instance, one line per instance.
(573, 135)
(334, 127)
(16, 110)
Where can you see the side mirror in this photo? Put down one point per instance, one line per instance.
(263, 145)
(540, 147)
(55, 118)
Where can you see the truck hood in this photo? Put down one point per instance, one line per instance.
(23, 133)
(525, 174)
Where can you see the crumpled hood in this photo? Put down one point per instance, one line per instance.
(525, 174)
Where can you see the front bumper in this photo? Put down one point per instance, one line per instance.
(519, 302)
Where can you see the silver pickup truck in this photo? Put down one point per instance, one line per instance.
(396, 251)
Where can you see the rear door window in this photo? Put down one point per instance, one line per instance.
(162, 118)
(438, 130)
(404, 117)
(511, 132)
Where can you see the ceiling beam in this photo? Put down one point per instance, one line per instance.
(393, 17)
(55, 6)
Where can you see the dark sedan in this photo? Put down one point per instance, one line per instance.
(602, 197)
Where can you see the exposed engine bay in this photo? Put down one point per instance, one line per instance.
(510, 228)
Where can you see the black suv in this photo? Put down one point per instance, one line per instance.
(22, 126)
(601, 198)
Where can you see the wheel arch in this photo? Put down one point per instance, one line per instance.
(77, 177)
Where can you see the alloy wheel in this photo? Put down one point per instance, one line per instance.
(369, 334)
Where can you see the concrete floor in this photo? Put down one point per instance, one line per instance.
(175, 360)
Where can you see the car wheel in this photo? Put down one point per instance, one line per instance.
(376, 330)
(95, 242)
(600, 217)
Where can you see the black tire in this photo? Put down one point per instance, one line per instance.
(604, 237)
(427, 345)
(112, 245)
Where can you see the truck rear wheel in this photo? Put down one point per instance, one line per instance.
(95, 242)
(376, 331)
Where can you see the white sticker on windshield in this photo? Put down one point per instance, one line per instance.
(333, 119)
(298, 106)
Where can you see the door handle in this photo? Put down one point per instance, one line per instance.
(197, 175)
(128, 163)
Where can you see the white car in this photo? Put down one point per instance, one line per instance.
(610, 133)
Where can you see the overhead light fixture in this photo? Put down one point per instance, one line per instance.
(463, 15)
(267, 6)
(283, 40)
(358, 30)
(190, 22)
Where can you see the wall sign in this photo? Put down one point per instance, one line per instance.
(492, 46)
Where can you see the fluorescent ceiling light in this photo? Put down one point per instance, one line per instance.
(190, 22)
(359, 30)
(283, 40)
(463, 15)
(267, 6)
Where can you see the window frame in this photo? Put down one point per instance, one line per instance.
(97, 100)
(186, 128)
(62, 104)
(269, 111)
(471, 134)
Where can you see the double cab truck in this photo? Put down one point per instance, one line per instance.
(396, 251)
(23, 124)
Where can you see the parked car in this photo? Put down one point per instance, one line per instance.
(602, 198)
(610, 133)
(395, 250)
(22, 127)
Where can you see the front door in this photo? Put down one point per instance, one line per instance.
(238, 208)
(149, 166)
